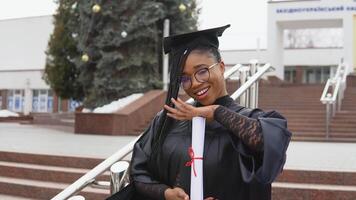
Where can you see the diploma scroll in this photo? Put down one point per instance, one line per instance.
(196, 153)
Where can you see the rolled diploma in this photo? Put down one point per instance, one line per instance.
(196, 182)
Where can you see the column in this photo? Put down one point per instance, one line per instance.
(354, 44)
(28, 98)
(275, 48)
(348, 31)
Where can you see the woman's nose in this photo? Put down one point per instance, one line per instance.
(195, 83)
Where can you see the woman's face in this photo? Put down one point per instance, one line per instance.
(206, 93)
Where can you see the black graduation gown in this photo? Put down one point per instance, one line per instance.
(231, 170)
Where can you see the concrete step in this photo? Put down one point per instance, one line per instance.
(63, 119)
(322, 138)
(10, 197)
(50, 160)
(43, 190)
(300, 191)
(317, 177)
(322, 134)
(44, 173)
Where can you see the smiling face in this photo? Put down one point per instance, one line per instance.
(206, 93)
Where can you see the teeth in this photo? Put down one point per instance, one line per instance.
(202, 91)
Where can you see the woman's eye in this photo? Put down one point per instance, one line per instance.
(185, 78)
(201, 72)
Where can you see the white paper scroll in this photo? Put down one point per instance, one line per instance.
(196, 154)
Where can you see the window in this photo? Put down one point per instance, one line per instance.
(42, 101)
(15, 100)
(290, 75)
(315, 75)
(313, 38)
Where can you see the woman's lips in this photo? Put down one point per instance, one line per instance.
(201, 94)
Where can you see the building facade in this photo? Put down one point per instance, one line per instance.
(22, 61)
(306, 40)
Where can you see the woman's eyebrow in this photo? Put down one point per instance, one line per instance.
(200, 65)
(196, 67)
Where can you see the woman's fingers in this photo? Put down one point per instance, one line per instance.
(178, 104)
(182, 110)
(210, 198)
(176, 117)
(183, 195)
(170, 109)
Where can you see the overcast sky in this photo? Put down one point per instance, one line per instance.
(248, 19)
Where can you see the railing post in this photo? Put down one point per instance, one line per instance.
(118, 172)
(77, 197)
(253, 88)
(327, 119)
(243, 79)
(328, 114)
(165, 57)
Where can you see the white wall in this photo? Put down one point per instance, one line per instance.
(232, 57)
(31, 79)
(291, 57)
(312, 57)
(309, 14)
(23, 42)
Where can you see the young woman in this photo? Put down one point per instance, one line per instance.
(244, 149)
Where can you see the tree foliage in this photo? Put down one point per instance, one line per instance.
(122, 41)
(61, 71)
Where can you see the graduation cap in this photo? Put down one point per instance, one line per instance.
(207, 37)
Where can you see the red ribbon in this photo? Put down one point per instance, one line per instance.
(191, 162)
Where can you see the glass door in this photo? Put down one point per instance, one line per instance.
(42, 98)
(18, 101)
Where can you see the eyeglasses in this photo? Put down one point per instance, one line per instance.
(202, 76)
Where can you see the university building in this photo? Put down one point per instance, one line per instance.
(306, 40)
(22, 62)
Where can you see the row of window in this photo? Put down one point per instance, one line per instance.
(42, 101)
(310, 75)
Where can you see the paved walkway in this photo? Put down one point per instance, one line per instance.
(46, 140)
(49, 140)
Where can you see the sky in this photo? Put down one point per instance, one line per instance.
(248, 19)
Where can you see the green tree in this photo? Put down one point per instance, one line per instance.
(102, 50)
(61, 72)
(121, 44)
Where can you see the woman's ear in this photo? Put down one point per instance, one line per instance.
(222, 66)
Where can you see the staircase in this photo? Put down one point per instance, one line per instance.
(59, 119)
(43, 176)
(314, 185)
(301, 105)
(344, 122)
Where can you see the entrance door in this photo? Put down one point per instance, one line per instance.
(18, 101)
(42, 97)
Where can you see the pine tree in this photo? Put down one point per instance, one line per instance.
(120, 43)
(61, 71)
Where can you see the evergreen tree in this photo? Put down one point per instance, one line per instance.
(61, 72)
(120, 43)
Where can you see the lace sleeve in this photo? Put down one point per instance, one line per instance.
(151, 190)
(247, 129)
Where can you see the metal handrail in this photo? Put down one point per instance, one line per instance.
(243, 88)
(333, 93)
(89, 177)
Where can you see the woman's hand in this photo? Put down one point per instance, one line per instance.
(175, 194)
(184, 111)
